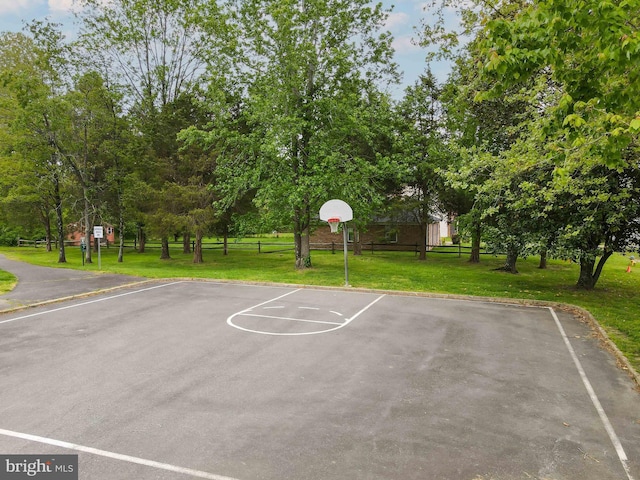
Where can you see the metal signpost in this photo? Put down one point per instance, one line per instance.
(98, 233)
(83, 248)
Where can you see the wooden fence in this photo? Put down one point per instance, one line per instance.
(334, 247)
(278, 247)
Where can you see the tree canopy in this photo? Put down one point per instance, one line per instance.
(187, 117)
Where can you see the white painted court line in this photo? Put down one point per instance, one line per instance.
(594, 399)
(269, 301)
(291, 319)
(89, 302)
(349, 320)
(246, 312)
(116, 456)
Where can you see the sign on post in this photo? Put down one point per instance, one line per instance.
(98, 234)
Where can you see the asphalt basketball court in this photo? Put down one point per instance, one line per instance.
(180, 380)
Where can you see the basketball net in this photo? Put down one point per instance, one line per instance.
(333, 224)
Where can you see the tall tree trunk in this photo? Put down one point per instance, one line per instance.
(142, 239)
(225, 240)
(164, 251)
(87, 226)
(197, 251)
(543, 259)
(476, 233)
(544, 253)
(46, 222)
(186, 242)
(357, 244)
(510, 262)
(423, 240)
(57, 198)
(301, 238)
(585, 280)
(121, 227)
(305, 250)
(302, 249)
(590, 272)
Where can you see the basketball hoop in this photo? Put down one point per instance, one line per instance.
(335, 212)
(333, 224)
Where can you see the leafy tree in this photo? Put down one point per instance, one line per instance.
(225, 135)
(304, 71)
(423, 151)
(24, 205)
(197, 198)
(90, 111)
(21, 187)
(510, 214)
(590, 134)
(157, 49)
(599, 209)
(477, 132)
(32, 78)
(592, 50)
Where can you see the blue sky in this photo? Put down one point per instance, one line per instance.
(403, 21)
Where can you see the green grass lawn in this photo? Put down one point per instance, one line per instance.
(7, 282)
(615, 302)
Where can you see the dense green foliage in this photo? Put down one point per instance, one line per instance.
(558, 173)
(185, 118)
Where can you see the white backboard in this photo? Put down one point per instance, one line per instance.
(336, 208)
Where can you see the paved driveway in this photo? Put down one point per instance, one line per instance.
(40, 284)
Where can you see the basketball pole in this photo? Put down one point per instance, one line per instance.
(346, 255)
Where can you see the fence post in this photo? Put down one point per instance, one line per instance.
(333, 247)
(259, 247)
(371, 247)
(459, 249)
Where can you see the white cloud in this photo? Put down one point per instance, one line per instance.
(17, 6)
(397, 20)
(62, 6)
(464, 5)
(404, 45)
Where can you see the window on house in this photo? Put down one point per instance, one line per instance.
(351, 235)
(390, 235)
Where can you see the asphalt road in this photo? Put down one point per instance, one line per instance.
(222, 381)
(40, 284)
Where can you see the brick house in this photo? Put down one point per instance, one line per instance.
(381, 234)
(76, 233)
